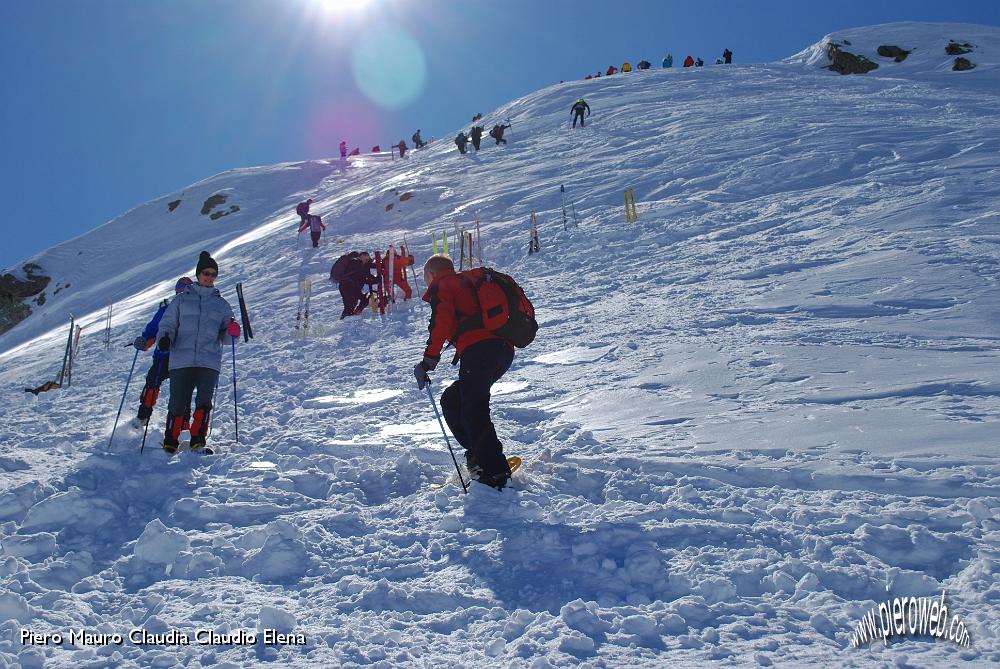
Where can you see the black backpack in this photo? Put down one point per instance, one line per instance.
(339, 270)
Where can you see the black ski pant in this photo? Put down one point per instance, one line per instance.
(315, 237)
(578, 115)
(158, 372)
(466, 403)
(475, 142)
(184, 382)
(350, 293)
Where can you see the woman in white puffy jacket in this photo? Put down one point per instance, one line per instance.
(194, 328)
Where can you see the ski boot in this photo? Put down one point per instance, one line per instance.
(171, 436)
(199, 430)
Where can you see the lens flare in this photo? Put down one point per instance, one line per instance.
(389, 67)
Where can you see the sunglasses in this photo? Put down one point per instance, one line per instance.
(208, 272)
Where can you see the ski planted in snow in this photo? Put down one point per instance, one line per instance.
(381, 283)
(244, 315)
(390, 275)
(305, 290)
(305, 314)
(533, 245)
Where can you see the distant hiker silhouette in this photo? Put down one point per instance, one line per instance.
(727, 57)
(460, 141)
(577, 110)
(611, 70)
(476, 135)
(418, 143)
(316, 227)
(497, 133)
(302, 209)
(402, 148)
(668, 61)
(689, 62)
(343, 149)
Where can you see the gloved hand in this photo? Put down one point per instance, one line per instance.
(139, 343)
(233, 329)
(421, 368)
(164, 344)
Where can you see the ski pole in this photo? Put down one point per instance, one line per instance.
(122, 403)
(236, 402)
(211, 415)
(156, 384)
(430, 395)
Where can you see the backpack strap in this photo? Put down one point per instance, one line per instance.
(475, 321)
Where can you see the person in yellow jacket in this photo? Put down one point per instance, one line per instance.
(626, 67)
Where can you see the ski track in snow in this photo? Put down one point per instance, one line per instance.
(748, 418)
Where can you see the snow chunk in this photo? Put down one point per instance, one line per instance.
(14, 607)
(576, 644)
(31, 658)
(273, 618)
(495, 647)
(639, 625)
(717, 589)
(159, 544)
(31, 547)
(282, 558)
(582, 616)
(70, 509)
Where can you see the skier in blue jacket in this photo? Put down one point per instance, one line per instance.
(160, 369)
(193, 329)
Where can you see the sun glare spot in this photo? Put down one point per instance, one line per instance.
(389, 66)
(340, 6)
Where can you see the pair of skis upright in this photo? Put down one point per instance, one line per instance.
(302, 317)
(384, 270)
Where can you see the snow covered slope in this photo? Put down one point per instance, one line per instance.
(749, 417)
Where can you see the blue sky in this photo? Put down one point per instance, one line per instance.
(110, 103)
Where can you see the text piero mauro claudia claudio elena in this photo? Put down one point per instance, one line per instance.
(140, 637)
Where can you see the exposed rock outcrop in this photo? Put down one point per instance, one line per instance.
(219, 214)
(16, 293)
(956, 49)
(894, 52)
(847, 63)
(213, 202)
(173, 205)
(962, 64)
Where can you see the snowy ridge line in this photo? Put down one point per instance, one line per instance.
(684, 501)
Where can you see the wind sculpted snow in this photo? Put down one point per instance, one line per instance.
(749, 418)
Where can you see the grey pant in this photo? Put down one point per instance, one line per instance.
(184, 381)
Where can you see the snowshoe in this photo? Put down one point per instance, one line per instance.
(201, 449)
(497, 481)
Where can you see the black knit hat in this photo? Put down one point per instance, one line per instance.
(205, 261)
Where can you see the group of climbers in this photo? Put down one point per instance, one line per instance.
(355, 270)
(667, 62)
(475, 135)
(418, 143)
